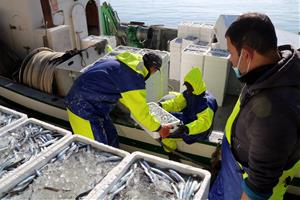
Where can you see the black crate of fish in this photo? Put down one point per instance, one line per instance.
(24, 143)
(151, 177)
(70, 171)
(10, 118)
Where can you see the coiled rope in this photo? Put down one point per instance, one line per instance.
(37, 69)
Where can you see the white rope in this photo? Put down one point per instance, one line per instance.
(38, 69)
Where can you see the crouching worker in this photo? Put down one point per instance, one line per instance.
(195, 107)
(95, 93)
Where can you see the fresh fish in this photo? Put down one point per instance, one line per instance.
(176, 176)
(162, 173)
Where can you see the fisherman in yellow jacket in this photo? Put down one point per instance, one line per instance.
(96, 92)
(195, 107)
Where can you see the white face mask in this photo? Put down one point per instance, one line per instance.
(237, 68)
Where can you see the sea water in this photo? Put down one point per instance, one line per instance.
(285, 14)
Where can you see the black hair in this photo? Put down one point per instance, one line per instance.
(152, 60)
(254, 30)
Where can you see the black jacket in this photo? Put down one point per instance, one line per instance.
(266, 133)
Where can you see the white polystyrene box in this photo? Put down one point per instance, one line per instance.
(215, 45)
(157, 84)
(111, 40)
(216, 136)
(221, 26)
(195, 29)
(20, 117)
(183, 29)
(206, 32)
(15, 173)
(59, 38)
(176, 46)
(153, 87)
(156, 135)
(92, 40)
(109, 181)
(121, 49)
(201, 43)
(191, 56)
(89, 41)
(189, 29)
(68, 71)
(51, 153)
(215, 73)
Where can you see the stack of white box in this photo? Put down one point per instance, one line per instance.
(206, 32)
(221, 26)
(195, 29)
(175, 58)
(215, 72)
(157, 84)
(176, 47)
(186, 29)
(192, 56)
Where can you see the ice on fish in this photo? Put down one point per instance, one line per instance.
(151, 182)
(66, 178)
(7, 118)
(23, 143)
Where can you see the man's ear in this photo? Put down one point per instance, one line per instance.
(249, 53)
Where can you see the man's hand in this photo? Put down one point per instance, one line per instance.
(182, 129)
(244, 196)
(164, 131)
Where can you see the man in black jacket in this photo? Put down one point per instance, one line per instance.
(261, 146)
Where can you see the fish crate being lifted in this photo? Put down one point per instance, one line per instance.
(150, 177)
(164, 117)
(69, 171)
(10, 118)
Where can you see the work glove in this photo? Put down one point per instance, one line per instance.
(182, 129)
(159, 104)
(164, 131)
